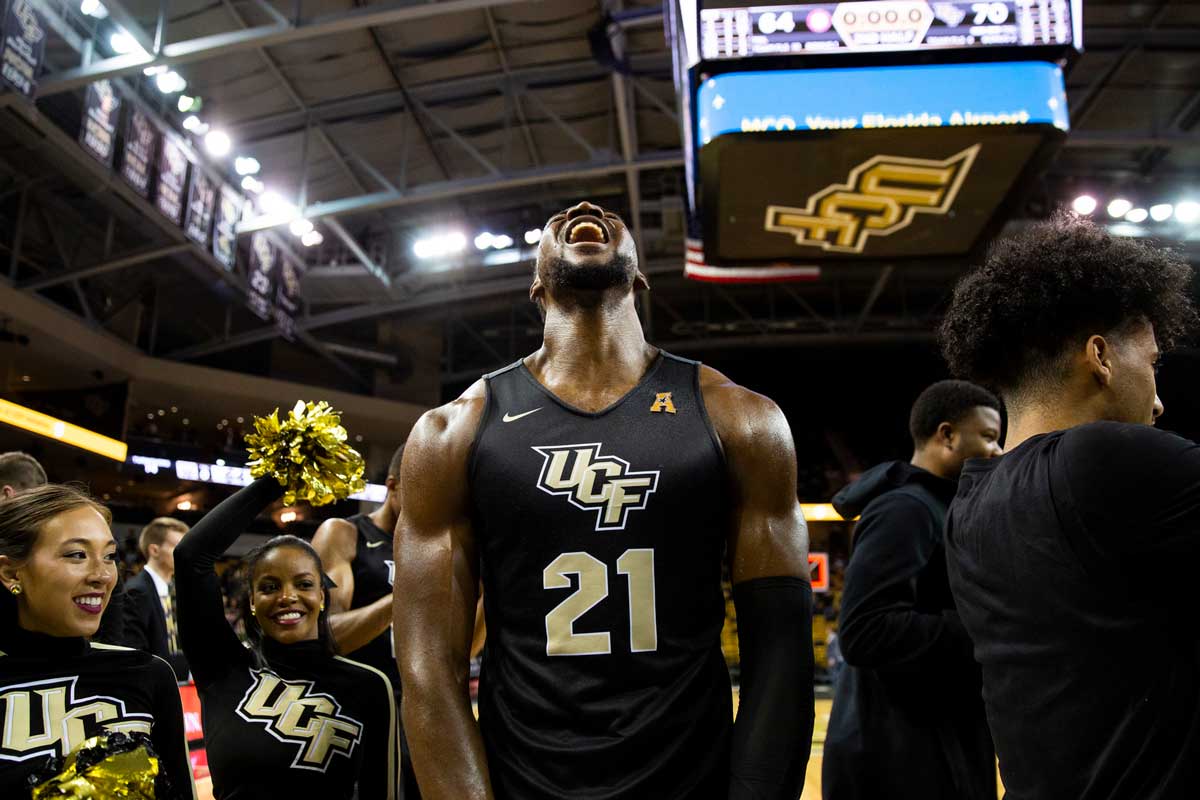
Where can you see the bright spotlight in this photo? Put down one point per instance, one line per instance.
(438, 245)
(155, 70)
(170, 82)
(273, 203)
(245, 165)
(1084, 205)
(502, 242)
(217, 143)
(300, 226)
(252, 184)
(93, 8)
(483, 241)
(1187, 212)
(123, 44)
(1137, 215)
(1161, 212)
(1119, 207)
(185, 103)
(312, 239)
(192, 123)
(533, 235)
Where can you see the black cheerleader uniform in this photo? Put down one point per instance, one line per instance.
(55, 692)
(305, 723)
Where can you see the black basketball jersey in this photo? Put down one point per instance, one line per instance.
(601, 539)
(374, 573)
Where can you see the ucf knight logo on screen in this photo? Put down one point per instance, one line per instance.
(47, 718)
(882, 195)
(593, 482)
(293, 713)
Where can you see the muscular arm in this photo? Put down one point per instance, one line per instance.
(437, 563)
(336, 541)
(768, 554)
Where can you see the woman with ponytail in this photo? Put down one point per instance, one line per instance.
(60, 693)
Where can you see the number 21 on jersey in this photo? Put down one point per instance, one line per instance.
(637, 565)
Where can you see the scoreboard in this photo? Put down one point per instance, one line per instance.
(766, 30)
(821, 134)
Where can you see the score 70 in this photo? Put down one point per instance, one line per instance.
(994, 13)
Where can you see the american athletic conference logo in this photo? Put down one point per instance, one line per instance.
(594, 482)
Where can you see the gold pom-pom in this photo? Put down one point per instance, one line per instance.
(115, 766)
(307, 453)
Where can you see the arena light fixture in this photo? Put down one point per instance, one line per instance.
(252, 184)
(440, 245)
(502, 242)
(191, 123)
(188, 104)
(533, 235)
(484, 240)
(245, 165)
(53, 428)
(184, 505)
(1161, 212)
(312, 239)
(93, 8)
(271, 202)
(300, 226)
(123, 44)
(1187, 212)
(155, 70)
(1119, 207)
(1084, 205)
(170, 82)
(217, 143)
(1137, 215)
(821, 512)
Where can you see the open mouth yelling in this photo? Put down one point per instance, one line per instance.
(586, 230)
(90, 603)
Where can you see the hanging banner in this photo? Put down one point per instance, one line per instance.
(202, 197)
(101, 113)
(141, 140)
(172, 177)
(23, 47)
(287, 296)
(263, 258)
(224, 239)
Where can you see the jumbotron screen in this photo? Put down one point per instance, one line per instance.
(874, 163)
(775, 29)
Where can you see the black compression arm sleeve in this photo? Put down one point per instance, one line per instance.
(773, 734)
(208, 642)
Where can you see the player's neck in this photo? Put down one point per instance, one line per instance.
(384, 517)
(1035, 419)
(582, 344)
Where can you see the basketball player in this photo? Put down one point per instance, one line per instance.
(357, 553)
(1072, 557)
(595, 486)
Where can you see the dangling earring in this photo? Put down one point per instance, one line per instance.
(16, 589)
(322, 608)
(253, 613)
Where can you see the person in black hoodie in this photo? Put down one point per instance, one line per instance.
(908, 718)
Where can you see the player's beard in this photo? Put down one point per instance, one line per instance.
(592, 278)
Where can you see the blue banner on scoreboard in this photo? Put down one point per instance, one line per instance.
(875, 98)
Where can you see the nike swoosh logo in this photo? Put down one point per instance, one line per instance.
(376, 544)
(515, 417)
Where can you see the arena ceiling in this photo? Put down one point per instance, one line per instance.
(385, 122)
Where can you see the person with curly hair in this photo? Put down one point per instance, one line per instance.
(1090, 672)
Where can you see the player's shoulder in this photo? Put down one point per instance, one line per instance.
(340, 534)
(733, 407)
(457, 418)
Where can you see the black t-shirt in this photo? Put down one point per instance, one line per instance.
(601, 539)
(57, 692)
(305, 724)
(1073, 563)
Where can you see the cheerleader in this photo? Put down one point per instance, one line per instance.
(286, 716)
(58, 567)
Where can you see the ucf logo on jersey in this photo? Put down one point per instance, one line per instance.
(883, 195)
(46, 718)
(595, 482)
(292, 712)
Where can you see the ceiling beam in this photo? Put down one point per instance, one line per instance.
(226, 43)
(112, 265)
(445, 190)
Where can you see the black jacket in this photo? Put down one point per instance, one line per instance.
(908, 718)
(145, 623)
